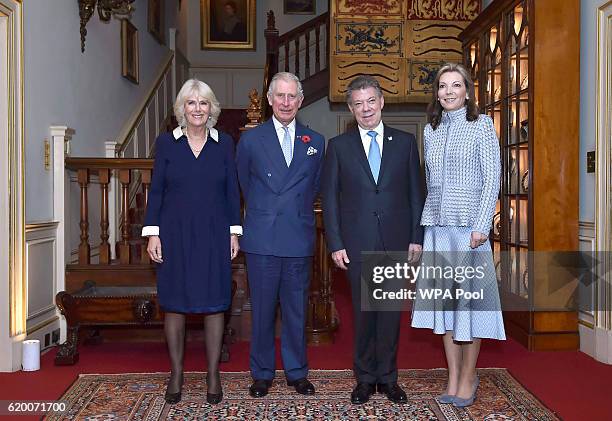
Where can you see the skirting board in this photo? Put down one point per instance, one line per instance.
(596, 343)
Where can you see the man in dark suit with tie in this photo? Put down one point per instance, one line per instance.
(279, 167)
(372, 201)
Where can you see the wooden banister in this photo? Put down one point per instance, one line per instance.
(320, 20)
(109, 163)
(278, 56)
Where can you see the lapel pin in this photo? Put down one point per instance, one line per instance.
(311, 151)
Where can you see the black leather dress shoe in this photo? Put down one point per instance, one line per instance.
(393, 392)
(362, 392)
(259, 388)
(302, 386)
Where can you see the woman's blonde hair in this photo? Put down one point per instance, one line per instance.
(198, 88)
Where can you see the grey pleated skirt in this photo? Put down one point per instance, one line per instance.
(466, 318)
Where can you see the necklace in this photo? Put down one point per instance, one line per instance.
(194, 149)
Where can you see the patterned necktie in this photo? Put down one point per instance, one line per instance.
(286, 146)
(374, 155)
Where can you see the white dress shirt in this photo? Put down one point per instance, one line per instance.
(366, 139)
(280, 132)
(178, 133)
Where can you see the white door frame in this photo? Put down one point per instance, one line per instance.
(12, 195)
(603, 193)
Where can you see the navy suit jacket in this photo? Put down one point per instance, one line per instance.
(279, 201)
(357, 211)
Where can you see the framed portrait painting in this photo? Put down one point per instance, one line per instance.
(155, 21)
(129, 51)
(299, 7)
(227, 24)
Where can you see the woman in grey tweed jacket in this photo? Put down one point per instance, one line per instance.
(462, 162)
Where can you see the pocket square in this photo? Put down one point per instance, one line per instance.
(311, 151)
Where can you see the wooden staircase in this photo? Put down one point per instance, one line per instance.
(293, 52)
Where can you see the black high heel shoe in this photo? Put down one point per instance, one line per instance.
(214, 398)
(175, 397)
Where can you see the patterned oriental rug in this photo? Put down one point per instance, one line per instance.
(140, 397)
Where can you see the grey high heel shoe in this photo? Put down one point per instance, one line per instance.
(445, 398)
(462, 403)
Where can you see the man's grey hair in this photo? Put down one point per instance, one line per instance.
(287, 77)
(362, 82)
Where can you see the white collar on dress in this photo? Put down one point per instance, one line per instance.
(178, 132)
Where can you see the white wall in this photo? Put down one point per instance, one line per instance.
(84, 91)
(181, 27)
(595, 334)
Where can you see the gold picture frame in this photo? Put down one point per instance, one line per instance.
(129, 51)
(156, 20)
(227, 24)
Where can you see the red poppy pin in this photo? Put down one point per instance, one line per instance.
(306, 138)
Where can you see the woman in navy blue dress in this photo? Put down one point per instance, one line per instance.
(193, 217)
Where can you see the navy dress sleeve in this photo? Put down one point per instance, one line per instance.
(158, 183)
(231, 180)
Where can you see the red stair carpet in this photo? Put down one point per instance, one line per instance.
(572, 384)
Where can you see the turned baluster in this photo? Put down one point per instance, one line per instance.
(146, 184)
(124, 245)
(326, 45)
(321, 322)
(271, 35)
(317, 52)
(104, 175)
(145, 180)
(307, 60)
(286, 56)
(297, 56)
(83, 179)
(272, 58)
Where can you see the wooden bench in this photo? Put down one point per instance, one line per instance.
(112, 306)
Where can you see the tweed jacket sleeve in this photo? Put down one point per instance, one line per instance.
(462, 168)
(490, 168)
